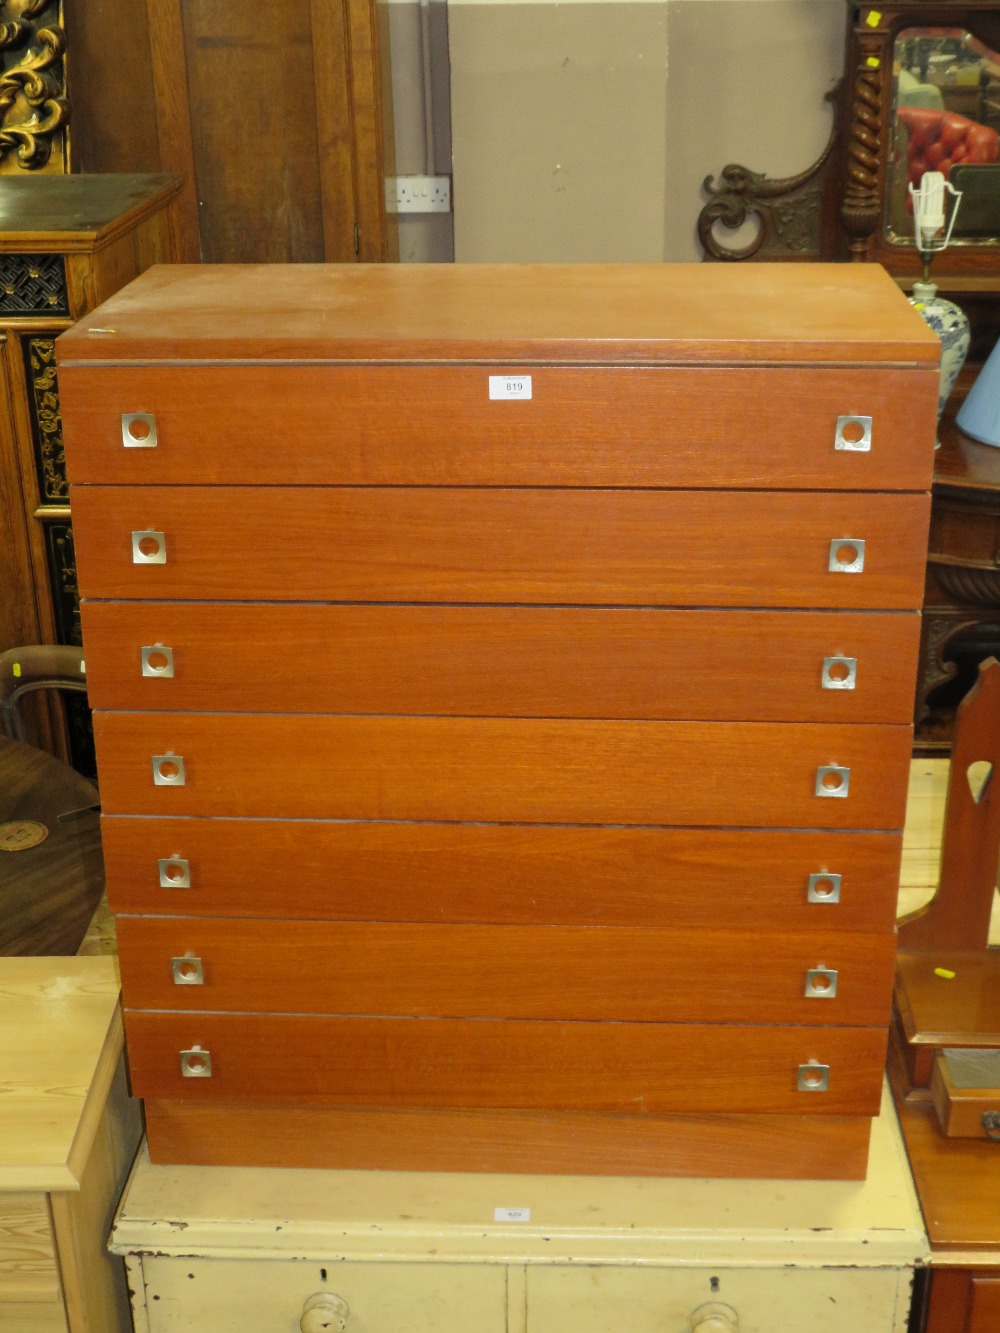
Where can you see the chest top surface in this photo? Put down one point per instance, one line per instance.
(60, 1021)
(615, 313)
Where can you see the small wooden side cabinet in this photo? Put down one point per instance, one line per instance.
(67, 243)
(68, 1134)
(261, 1249)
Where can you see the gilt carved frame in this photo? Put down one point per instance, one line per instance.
(34, 107)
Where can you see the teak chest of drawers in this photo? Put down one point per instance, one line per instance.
(504, 682)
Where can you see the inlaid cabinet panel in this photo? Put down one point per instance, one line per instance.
(544, 874)
(508, 769)
(697, 548)
(519, 661)
(790, 428)
(689, 1067)
(580, 972)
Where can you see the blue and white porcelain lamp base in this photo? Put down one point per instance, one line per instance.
(951, 325)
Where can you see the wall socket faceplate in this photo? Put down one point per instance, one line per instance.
(418, 194)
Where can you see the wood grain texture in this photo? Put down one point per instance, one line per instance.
(173, 117)
(695, 548)
(940, 1010)
(28, 1268)
(957, 1180)
(497, 313)
(334, 129)
(518, 770)
(654, 1067)
(248, 83)
(535, 1142)
(493, 661)
(595, 426)
(49, 891)
(557, 972)
(958, 916)
(501, 873)
(960, 1110)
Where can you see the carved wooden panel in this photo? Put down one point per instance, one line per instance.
(34, 108)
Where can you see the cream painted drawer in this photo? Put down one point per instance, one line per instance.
(609, 1299)
(199, 1296)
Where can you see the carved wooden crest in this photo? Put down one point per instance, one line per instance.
(34, 108)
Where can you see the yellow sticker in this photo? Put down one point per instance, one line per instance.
(918, 305)
(945, 972)
(17, 668)
(874, 18)
(873, 62)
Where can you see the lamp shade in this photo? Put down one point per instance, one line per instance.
(980, 413)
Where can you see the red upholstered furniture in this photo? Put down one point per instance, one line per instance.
(939, 139)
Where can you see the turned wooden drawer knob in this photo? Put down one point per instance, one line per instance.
(324, 1313)
(715, 1318)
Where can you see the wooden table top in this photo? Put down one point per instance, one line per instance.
(962, 465)
(60, 1038)
(71, 213)
(673, 314)
(51, 871)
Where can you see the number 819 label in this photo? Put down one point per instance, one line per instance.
(510, 386)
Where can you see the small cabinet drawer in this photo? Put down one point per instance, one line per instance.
(653, 1067)
(28, 1264)
(716, 1300)
(437, 425)
(519, 770)
(255, 1296)
(529, 873)
(591, 547)
(768, 666)
(578, 972)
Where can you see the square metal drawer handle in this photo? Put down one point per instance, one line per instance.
(854, 435)
(175, 872)
(832, 780)
(196, 1063)
(847, 555)
(823, 888)
(168, 770)
(814, 1077)
(149, 547)
(158, 660)
(188, 970)
(821, 983)
(840, 673)
(138, 430)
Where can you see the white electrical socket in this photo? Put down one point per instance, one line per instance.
(418, 194)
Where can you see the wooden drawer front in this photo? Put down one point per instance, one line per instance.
(701, 548)
(517, 770)
(574, 972)
(687, 1067)
(28, 1267)
(211, 1295)
(763, 666)
(32, 1316)
(773, 1299)
(501, 873)
(434, 425)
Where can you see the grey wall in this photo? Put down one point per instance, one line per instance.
(583, 131)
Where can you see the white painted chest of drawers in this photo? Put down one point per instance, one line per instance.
(287, 1251)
